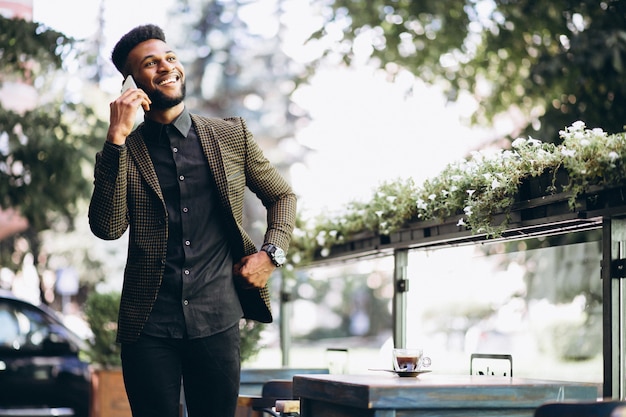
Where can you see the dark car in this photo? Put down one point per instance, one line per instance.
(40, 370)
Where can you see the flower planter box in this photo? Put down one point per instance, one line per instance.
(541, 214)
(428, 230)
(365, 242)
(108, 394)
(543, 185)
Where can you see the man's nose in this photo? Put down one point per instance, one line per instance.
(165, 66)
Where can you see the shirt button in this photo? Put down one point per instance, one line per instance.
(187, 243)
(186, 302)
(182, 177)
(175, 150)
(186, 272)
(185, 209)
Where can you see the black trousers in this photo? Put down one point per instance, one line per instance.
(209, 368)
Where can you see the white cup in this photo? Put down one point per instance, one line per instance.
(409, 360)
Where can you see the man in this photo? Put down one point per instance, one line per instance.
(177, 181)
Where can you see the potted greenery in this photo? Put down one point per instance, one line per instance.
(101, 310)
(477, 192)
(108, 393)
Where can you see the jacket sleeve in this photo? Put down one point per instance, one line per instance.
(264, 180)
(108, 216)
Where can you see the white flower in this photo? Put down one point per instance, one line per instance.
(421, 204)
(568, 152)
(470, 192)
(613, 155)
(432, 197)
(585, 142)
(519, 142)
(598, 132)
(495, 184)
(578, 125)
(467, 210)
(461, 222)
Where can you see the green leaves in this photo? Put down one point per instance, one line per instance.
(28, 49)
(478, 188)
(556, 61)
(101, 311)
(47, 145)
(43, 164)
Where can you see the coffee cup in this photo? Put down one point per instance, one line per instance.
(409, 360)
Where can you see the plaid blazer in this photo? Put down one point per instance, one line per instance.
(127, 193)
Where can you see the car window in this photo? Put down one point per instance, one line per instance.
(22, 327)
(9, 327)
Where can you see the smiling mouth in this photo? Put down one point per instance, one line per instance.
(170, 80)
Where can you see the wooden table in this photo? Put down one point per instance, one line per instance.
(430, 395)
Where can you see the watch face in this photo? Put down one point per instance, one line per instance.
(279, 256)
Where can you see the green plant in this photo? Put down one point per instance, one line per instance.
(250, 337)
(592, 157)
(476, 189)
(101, 310)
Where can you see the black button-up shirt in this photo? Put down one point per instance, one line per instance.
(197, 297)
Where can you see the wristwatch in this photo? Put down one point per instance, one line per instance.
(276, 254)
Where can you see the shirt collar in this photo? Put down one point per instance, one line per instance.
(182, 124)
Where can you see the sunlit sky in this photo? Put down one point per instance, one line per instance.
(365, 130)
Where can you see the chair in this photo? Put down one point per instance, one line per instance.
(607, 408)
(488, 359)
(277, 399)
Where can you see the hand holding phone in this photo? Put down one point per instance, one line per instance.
(129, 83)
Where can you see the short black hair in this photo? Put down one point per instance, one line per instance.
(130, 40)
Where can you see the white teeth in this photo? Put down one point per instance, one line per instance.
(169, 80)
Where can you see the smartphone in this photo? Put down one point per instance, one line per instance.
(129, 82)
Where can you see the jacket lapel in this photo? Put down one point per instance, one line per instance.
(213, 154)
(139, 152)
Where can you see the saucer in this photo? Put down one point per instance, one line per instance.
(404, 374)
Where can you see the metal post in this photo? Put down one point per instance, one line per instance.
(614, 308)
(400, 288)
(286, 310)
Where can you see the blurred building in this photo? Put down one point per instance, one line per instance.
(17, 9)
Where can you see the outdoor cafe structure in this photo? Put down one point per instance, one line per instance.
(600, 208)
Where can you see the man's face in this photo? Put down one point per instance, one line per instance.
(158, 72)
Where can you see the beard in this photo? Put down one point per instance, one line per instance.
(161, 101)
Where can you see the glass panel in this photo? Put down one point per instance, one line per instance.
(539, 300)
